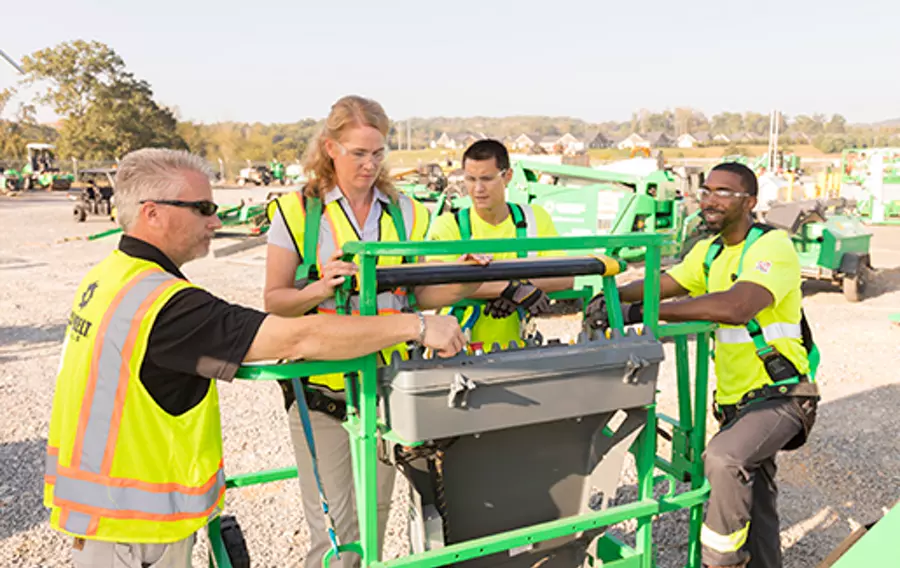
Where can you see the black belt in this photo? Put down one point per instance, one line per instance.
(317, 401)
(804, 388)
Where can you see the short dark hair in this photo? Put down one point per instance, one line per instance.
(485, 150)
(748, 178)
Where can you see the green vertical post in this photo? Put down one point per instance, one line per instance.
(682, 372)
(613, 306)
(366, 475)
(652, 265)
(645, 460)
(698, 442)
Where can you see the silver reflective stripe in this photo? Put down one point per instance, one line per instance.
(103, 496)
(532, 225)
(50, 465)
(735, 335)
(386, 301)
(97, 433)
(77, 523)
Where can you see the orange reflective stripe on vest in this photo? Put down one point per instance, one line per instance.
(85, 487)
(118, 467)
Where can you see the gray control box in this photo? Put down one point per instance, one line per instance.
(430, 399)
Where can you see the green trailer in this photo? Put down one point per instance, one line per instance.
(485, 408)
(832, 244)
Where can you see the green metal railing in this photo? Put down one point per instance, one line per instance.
(363, 427)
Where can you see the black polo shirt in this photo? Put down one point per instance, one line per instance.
(196, 337)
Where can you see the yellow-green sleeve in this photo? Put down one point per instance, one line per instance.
(773, 264)
(444, 228)
(689, 272)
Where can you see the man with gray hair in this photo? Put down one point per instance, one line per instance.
(134, 457)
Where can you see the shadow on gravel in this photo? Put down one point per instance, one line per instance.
(886, 280)
(847, 472)
(22, 486)
(12, 334)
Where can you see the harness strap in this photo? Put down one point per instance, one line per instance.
(767, 353)
(307, 269)
(310, 441)
(399, 225)
(463, 219)
(801, 388)
(464, 222)
(313, 219)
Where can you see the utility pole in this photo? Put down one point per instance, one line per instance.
(12, 62)
(774, 122)
(408, 134)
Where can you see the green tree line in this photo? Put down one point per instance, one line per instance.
(106, 112)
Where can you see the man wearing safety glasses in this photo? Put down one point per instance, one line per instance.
(134, 458)
(746, 278)
(509, 304)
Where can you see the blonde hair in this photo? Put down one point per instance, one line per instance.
(348, 112)
(152, 173)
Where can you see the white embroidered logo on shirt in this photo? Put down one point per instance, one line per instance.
(763, 266)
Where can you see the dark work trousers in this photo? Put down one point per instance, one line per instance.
(742, 516)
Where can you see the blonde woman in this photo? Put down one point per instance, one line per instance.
(349, 197)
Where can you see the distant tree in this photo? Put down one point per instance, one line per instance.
(837, 125)
(107, 111)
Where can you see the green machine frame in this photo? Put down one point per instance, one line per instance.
(650, 204)
(686, 432)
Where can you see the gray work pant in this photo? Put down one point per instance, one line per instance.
(101, 554)
(336, 471)
(742, 516)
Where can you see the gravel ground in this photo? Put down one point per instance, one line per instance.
(844, 477)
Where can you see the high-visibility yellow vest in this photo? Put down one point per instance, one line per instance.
(120, 468)
(416, 219)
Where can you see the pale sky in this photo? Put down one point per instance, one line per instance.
(281, 60)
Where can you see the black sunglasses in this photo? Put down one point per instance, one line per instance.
(205, 207)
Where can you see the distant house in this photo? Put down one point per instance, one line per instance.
(688, 140)
(598, 140)
(570, 144)
(443, 141)
(525, 142)
(659, 139)
(548, 143)
(722, 138)
(633, 140)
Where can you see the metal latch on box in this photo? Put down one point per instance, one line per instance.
(459, 391)
(633, 368)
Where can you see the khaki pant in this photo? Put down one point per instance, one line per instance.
(100, 554)
(336, 471)
(742, 514)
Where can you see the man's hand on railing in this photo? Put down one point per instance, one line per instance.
(518, 294)
(597, 315)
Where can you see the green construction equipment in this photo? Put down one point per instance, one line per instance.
(507, 465)
(585, 201)
(871, 177)
(39, 172)
(832, 243)
(278, 173)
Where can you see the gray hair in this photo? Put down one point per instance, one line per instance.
(152, 173)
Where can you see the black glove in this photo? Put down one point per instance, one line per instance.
(597, 316)
(518, 294)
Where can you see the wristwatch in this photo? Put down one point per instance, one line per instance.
(421, 317)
